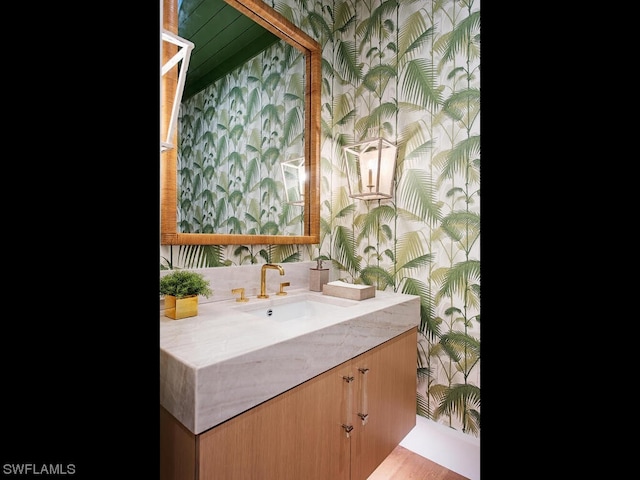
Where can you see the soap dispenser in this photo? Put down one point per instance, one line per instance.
(318, 276)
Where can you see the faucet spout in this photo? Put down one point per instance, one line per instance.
(263, 277)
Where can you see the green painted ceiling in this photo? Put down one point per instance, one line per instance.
(223, 39)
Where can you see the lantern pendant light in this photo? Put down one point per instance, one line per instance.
(371, 167)
(294, 177)
(180, 61)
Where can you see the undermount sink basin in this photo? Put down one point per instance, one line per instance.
(297, 308)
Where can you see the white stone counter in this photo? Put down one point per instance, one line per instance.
(225, 360)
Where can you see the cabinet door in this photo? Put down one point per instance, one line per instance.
(386, 397)
(177, 449)
(297, 435)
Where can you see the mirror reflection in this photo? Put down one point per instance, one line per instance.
(294, 176)
(237, 128)
(233, 135)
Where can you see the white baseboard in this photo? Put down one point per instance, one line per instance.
(445, 446)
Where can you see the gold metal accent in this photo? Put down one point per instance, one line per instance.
(282, 285)
(241, 292)
(263, 277)
(177, 308)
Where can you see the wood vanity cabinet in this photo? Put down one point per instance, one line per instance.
(339, 425)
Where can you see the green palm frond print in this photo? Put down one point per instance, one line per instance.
(406, 70)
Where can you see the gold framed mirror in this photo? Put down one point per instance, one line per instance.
(277, 24)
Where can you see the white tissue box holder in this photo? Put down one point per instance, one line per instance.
(355, 292)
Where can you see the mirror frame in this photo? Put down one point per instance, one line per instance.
(276, 23)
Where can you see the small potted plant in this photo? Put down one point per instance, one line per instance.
(181, 289)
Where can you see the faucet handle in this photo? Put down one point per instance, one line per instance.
(241, 292)
(282, 285)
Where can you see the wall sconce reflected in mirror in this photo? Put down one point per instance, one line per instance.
(180, 61)
(294, 176)
(371, 166)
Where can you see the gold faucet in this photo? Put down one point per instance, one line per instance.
(263, 278)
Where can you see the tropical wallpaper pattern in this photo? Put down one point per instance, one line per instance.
(233, 135)
(409, 71)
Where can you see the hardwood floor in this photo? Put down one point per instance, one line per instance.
(403, 464)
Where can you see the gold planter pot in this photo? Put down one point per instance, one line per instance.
(177, 308)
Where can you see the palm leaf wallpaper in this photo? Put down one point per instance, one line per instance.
(407, 70)
(232, 137)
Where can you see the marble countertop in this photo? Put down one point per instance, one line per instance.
(226, 360)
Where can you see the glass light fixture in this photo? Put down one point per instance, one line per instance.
(371, 167)
(294, 177)
(180, 61)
